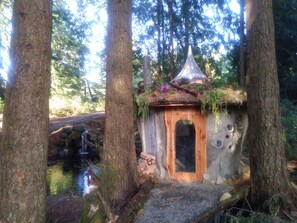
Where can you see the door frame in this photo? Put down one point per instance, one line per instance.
(172, 116)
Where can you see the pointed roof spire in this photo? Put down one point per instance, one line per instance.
(190, 72)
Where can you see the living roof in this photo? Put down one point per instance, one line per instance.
(194, 94)
(192, 87)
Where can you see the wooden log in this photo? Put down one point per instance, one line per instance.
(150, 170)
(147, 156)
(209, 215)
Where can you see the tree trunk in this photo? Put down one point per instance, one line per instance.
(160, 22)
(242, 42)
(25, 124)
(147, 74)
(267, 158)
(186, 19)
(171, 65)
(119, 147)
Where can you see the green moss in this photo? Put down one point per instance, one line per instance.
(276, 203)
(74, 135)
(79, 128)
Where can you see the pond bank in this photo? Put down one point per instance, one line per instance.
(64, 208)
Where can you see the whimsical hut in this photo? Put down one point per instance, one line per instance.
(194, 131)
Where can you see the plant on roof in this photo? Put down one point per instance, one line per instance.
(200, 88)
(165, 88)
(212, 101)
(141, 107)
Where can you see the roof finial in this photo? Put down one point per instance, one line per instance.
(190, 72)
(190, 51)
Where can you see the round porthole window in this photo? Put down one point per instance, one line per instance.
(230, 128)
(217, 143)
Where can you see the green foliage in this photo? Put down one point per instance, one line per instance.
(289, 121)
(96, 142)
(141, 107)
(276, 203)
(69, 49)
(137, 66)
(1, 105)
(285, 20)
(97, 217)
(200, 88)
(242, 215)
(108, 178)
(64, 106)
(246, 216)
(213, 101)
(192, 24)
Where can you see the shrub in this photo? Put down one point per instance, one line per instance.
(289, 121)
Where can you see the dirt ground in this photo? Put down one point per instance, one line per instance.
(64, 209)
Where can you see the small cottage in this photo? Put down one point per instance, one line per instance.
(193, 131)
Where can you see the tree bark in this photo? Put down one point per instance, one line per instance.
(119, 146)
(160, 24)
(25, 124)
(171, 47)
(242, 43)
(267, 158)
(147, 74)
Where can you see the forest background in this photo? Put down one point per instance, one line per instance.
(163, 30)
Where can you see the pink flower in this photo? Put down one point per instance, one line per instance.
(164, 88)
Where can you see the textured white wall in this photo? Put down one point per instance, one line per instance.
(225, 135)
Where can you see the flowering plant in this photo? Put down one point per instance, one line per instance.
(164, 88)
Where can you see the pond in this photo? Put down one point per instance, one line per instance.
(68, 177)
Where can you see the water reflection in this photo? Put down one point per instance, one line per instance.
(68, 176)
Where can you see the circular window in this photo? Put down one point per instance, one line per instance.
(217, 143)
(230, 128)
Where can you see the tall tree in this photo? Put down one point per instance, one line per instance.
(69, 49)
(285, 18)
(242, 44)
(160, 27)
(119, 147)
(171, 37)
(269, 175)
(25, 125)
(171, 25)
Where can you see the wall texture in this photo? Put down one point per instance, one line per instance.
(225, 136)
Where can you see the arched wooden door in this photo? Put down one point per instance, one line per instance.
(186, 143)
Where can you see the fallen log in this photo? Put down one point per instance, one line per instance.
(210, 215)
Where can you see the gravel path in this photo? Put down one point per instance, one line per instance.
(172, 202)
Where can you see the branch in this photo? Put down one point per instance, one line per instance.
(194, 93)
